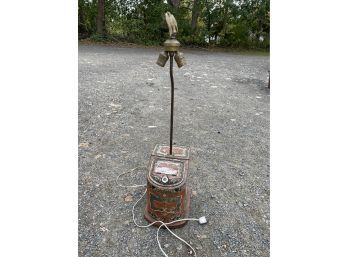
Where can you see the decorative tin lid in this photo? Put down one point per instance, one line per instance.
(179, 152)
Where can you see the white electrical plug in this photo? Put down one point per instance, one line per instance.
(202, 220)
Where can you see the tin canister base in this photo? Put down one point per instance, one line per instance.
(168, 197)
(176, 224)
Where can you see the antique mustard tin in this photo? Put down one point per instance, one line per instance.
(168, 197)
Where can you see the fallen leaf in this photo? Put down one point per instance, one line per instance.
(128, 198)
(84, 145)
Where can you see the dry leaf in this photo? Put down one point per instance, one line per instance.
(128, 198)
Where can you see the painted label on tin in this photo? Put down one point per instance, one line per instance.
(167, 168)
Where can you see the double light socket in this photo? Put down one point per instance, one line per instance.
(171, 46)
(178, 57)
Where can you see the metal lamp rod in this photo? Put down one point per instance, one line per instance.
(171, 54)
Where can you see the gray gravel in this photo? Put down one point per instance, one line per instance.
(221, 112)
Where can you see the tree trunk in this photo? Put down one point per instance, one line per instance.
(81, 18)
(174, 3)
(195, 14)
(101, 18)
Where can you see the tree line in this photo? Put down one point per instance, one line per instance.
(224, 23)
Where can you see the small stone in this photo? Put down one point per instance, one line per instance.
(152, 126)
(190, 252)
(97, 156)
(104, 229)
(128, 198)
(258, 97)
(204, 236)
(194, 193)
(179, 247)
(166, 245)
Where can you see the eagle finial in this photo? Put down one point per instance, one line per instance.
(172, 25)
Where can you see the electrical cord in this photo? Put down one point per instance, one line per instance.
(129, 171)
(201, 220)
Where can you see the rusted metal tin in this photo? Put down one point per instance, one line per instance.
(168, 197)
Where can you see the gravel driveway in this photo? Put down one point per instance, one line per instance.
(221, 111)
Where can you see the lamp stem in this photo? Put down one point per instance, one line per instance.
(171, 54)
